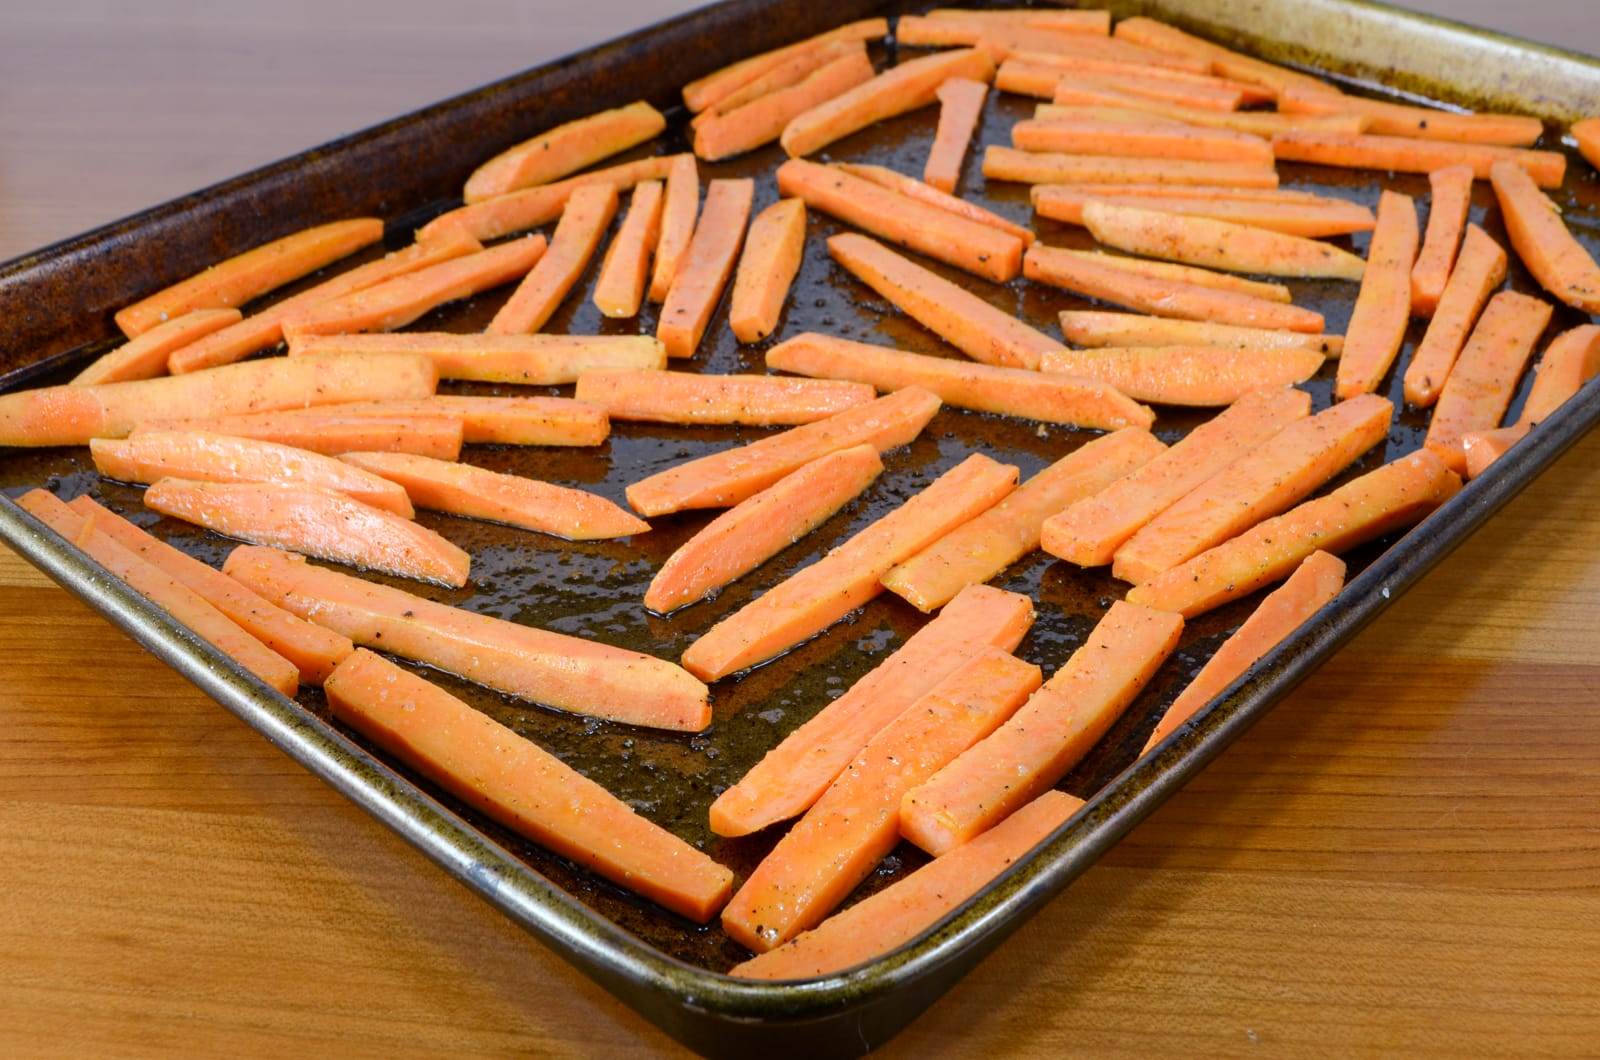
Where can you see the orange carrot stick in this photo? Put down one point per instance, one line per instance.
(145, 357)
(1095, 23)
(1217, 244)
(759, 400)
(1196, 376)
(708, 91)
(1404, 154)
(1571, 360)
(625, 271)
(1586, 134)
(763, 120)
(1190, 274)
(583, 225)
(1482, 448)
(1150, 33)
(678, 213)
(565, 149)
(708, 264)
(1082, 98)
(791, 71)
(530, 360)
(1005, 40)
(1036, 167)
(1450, 193)
(1557, 260)
(1479, 270)
(496, 420)
(915, 189)
(331, 430)
(767, 268)
(1025, 757)
(1199, 95)
(1332, 217)
(1068, 64)
(1399, 119)
(1094, 328)
(1156, 140)
(960, 106)
(519, 211)
(1203, 192)
(817, 596)
(524, 787)
(1383, 304)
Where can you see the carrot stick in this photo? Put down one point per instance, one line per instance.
(1404, 154)
(1480, 386)
(477, 493)
(625, 271)
(1083, 98)
(1090, 531)
(1482, 448)
(529, 360)
(1155, 140)
(583, 224)
(1557, 260)
(1035, 167)
(1217, 244)
(1192, 94)
(1094, 23)
(848, 831)
(977, 551)
(762, 121)
(1479, 270)
(1025, 757)
(1450, 193)
(1093, 279)
(1333, 217)
(1150, 33)
(1196, 376)
(678, 213)
(232, 283)
(71, 415)
(1066, 64)
(162, 589)
(724, 479)
(1017, 392)
(958, 316)
(567, 673)
(960, 106)
(1571, 360)
(314, 521)
(1317, 580)
(1005, 40)
(331, 430)
(1383, 304)
(1393, 496)
(771, 260)
(906, 87)
(916, 189)
(1399, 119)
(524, 787)
(519, 211)
(707, 266)
(1095, 328)
(1164, 270)
(753, 531)
(145, 357)
(714, 87)
(791, 71)
(1213, 192)
(565, 149)
(497, 420)
(1586, 134)
(758, 400)
(1269, 479)
(817, 596)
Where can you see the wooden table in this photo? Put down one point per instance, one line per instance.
(1404, 858)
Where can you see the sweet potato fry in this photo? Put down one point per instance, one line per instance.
(1196, 376)
(1217, 244)
(771, 260)
(791, 71)
(960, 106)
(529, 360)
(708, 264)
(1586, 134)
(1383, 304)
(1479, 269)
(678, 213)
(333, 429)
(1404, 154)
(625, 270)
(1328, 217)
(497, 420)
(563, 150)
(1557, 260)
(583, 225)
(1399, 119)
(916, 189)
(145, 357)
(710, 90)
(757, 400)
(763, 120)
(1149, 33)
(1155, 140)
(519, 211)
(1035, 167)
(1190, 274)
(1095, 328)
(1450, 193)
(1082, 98)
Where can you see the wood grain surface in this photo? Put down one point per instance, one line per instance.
(1404, 859)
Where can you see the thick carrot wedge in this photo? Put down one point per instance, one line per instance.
(71, 415)
(314, 521)
(1197, 376)
(1095, 23)
(848, 831)
(1404, 154)
(524, 787)
(1008, 391)
(519, 211)
(791, 71)
(1479, 269)
(234, 282)
(1586, 134)
(1450, 193)
(1094, 328)
(1482, 448)
(1156, 140)
(477, 493)
(1090, 531)
(1383, 304)
(496, 420)
(767, 268)
(915, 189)
(1328, 217)
(1149, 33)
(1166, 270)
(619, 291)
(164, 590)
(567, 673)
(978, 550)
(759, 400)
(583, 224)
(1081, 98)
(149, 456)
(1193, 94)
(145, 357)
(1399, 119)
(938, 233)
(905, 87)
(707, 266)
(331, 430)
(1557, 260)
(1571, 360)
(726, 478)
(1317, 579)
(678, 212)
(753, 531)
(530, 360)
(1267, 480)
(1217, 244)
(708, 91)
(762, 120)
(1090, 278)
(956, 315)
(1037, 167)
(565, 149)
(960, 106)
(1053, 730)
(817, 596)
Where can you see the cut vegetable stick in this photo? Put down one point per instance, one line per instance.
(960, 106)
(567, 673)
(1156, 140)
(1149, 33)
(1067, 64)
(1027, 755)
(625, 270)
(1195, 191)
(1315, 581)
(145, 357)
(477, 493)
(1482, 448)
(314, 521)
(1586, 134)
(678, 213)
(1267, 480)
(1330, 217)
(1077, 98)
(1095, 328)
(1024, 78)
(716, 86)
(1404, 154)
(71, 415)
(707, 266)
(958, 316)
(524, 787)
(1394, 496)
(1481, 384)
(758, 400)
(1571, 360)
(1378, 321)
(1035, 167)
(771, 260)
(791, 71)
(1399, 119)
(905, 87)
(232, 283)
(726, 478)
(1450, 193)
(817, 596)
(938, 233)
(753, 531)
(1479, 270)
(1193, 94)
(1005, 40)
(978, 550)
(1187, 301)
(149, 456)
(1018, 392)
(1217, 244)
(1165, 270)
(496, 420)
(1094, 23)
(565, 149)
(519, 211)
(330, 430)
(531, 360)
(916, 189)
(583, 224)
(1090, 531)
(163, 590)
(848, 831)
(1557, 260)
(1195, 376)
(763, 120)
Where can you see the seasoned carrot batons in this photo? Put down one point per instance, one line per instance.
(565, 149)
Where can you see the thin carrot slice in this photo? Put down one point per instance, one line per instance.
(1271, 478)
(232, 283)
(1025, 757)
(960, 106)
(848, 831)
(1078, 98)
(331, 430)
(314, 521)
(716, 86)
(1150, 33)
(1217, 244)
(915, 189)
(1428, 123)
(1038, 167)
(1383, 305)
(496, 420)
(1089, 327)
(980, 549)
(1450, 193)
(145, 357)
(708, 264)
(626, 268)
(1557, 260)
(758, 400)
(761, 121)
(678, 213)
(1156, 140)
(567, 673)
(530, 360)
(1008, 391)
(583, 224)
(1328, 217)
(519, 211)
(817, 596)
(1404, 154)
(791, 71)
(767, 268)
(1166, 270)
(726, 478)
(565, 149)
(524, 787)
(753, 531)
(1479, 270)
(1197, 376)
